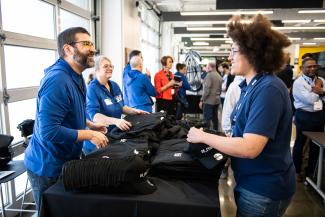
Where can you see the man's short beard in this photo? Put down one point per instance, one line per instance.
(83, 60)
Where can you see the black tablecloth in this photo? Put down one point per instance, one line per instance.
(14, 165)
(172, 198)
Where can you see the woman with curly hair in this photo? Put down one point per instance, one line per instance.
(261, 121)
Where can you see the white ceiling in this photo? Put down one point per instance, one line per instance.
(170, 12)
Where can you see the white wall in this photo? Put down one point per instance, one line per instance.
(131, 26)
(120, 29)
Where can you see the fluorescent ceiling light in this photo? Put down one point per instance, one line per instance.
(206, 29)
(228, 42)
(296, 39)
(210, 39)
(309, 43)
(319, 21)
(207, 22)
(298, 27)
(319, 38)
(198, 47)
(201, 43)
(205, 51)
(206, 13)
(295, 21)
(311, 11)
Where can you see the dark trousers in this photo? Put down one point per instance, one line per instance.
(166, 105)
(210, 113)
(307, 121)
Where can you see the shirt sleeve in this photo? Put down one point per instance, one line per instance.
(93, 102)
(231, 98)
(302, 91)
(264, 116)
(158, 84)
(206, 87)
(54, 105)
(151, 91)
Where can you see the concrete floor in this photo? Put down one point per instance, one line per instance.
(306, 202)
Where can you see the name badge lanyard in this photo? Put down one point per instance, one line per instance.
(308, 82)
(242, 100)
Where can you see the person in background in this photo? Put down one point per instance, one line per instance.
(260, 144)
(126, 77)
(105, 101)
(227, 79)
(210, 99)
(286, 74)
(165, 86)
(60, 121)
(181, 100)
(90, 78)
(139, 87)
(309, 116)
(231, 98)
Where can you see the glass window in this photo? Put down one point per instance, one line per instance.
(81, 3)
(19, 111)
(69, 19)
(25, 66)
(24, 17)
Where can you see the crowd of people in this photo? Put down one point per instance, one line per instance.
(257, 112)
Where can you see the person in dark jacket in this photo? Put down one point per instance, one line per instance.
(60, 122)
(181, 100)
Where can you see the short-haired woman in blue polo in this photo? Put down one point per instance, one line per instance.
(105, 100)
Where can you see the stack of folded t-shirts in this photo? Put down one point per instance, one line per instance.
(127, 175)
(176, 158)
(123, 148)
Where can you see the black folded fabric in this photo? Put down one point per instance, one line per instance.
(172, 162)
(124, 148)
(128, 175)
(5, 151)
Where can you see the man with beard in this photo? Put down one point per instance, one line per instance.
(60, 123)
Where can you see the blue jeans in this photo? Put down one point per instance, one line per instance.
(39, 185)
(250, 204)
(210, 113)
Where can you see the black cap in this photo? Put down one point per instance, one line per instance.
(208, 156)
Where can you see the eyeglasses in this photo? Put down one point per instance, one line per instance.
(108, 66)
(233, 51)
(312, 66)
(84, 43)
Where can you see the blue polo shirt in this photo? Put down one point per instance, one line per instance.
(126, 79)
(264, 108)
(100, 100)
(185, 85)
(60, 112)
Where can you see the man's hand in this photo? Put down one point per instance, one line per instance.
(317, 90)
(200, 104)
(123, 124)
(99, 139)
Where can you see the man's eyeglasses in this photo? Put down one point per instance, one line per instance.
(233, 51)
(84, 43)
(108, 66)
(312, 66)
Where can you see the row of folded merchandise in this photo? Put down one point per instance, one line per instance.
(154, 146)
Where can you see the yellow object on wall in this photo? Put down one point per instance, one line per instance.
(303, 50)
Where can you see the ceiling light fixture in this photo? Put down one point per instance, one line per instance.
(207, 13)
(319, 21)
(206, 22)
(206, 29)
(309, 43)
(319, 38)
(311, 12)
(296, 21)
(294, 39)
(298, 27)
(202, 43)
(210, 39)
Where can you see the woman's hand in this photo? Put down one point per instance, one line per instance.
(139, 112)
(122, 124)
(100, 127)
(195, 135)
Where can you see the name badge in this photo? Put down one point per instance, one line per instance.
(118, 98)
(318, 105)
(108, 101)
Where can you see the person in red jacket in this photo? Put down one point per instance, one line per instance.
(165, 84)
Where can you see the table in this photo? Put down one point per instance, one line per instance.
(172, 198)
(19, 168)
(319, 139)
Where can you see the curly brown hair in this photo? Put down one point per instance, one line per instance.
(259, 43)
